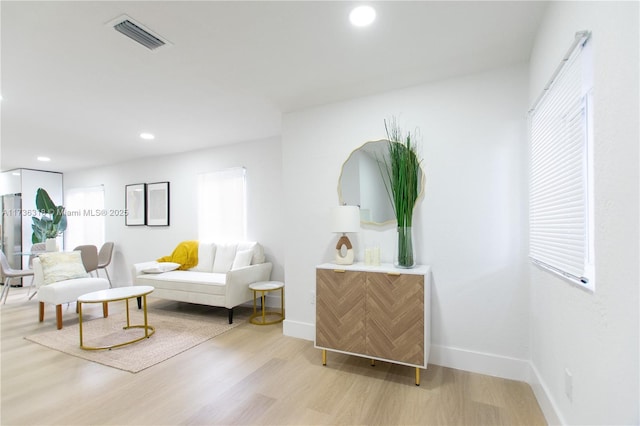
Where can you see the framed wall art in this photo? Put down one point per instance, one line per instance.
(158, 204)
(135, 204)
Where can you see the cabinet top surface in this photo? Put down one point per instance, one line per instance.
(385, 268)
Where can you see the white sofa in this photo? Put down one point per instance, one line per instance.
(221, 278)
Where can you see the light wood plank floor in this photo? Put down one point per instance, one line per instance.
(249, 375)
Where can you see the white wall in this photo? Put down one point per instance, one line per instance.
(263, 162)
(595, 336)
(470, 227)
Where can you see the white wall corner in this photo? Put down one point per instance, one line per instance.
(300, 330)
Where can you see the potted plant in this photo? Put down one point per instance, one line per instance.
(401, 176)
(51, 223)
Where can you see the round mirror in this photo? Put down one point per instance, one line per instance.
(361, 183)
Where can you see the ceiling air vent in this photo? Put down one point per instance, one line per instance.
(137, 33)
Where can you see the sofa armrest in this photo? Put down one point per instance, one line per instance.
(137, 268)
(238, 281)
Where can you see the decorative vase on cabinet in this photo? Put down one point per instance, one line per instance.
(404, 251)
(381, 313)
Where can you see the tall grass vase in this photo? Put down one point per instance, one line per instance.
(404, 251)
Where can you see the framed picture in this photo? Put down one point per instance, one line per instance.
(158, 204)
(135, 204)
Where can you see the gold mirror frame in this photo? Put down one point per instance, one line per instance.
(375, 206)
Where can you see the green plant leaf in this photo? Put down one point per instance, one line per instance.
(44, 204)
(52, 222)
(402, 174)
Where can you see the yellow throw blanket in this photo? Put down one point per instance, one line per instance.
(186, 254)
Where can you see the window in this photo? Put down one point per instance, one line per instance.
(85, 217)
(561, 174)
(222, 205)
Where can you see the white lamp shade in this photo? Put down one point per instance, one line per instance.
(345, 219)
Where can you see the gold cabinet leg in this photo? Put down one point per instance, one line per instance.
(373, 362)
(417, 376)
(324, 357)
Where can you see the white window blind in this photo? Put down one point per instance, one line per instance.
(561, 192)
(85, 217)
(222, 205)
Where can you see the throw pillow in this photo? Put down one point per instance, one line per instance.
(60, 266)
(225, 253)
(206, 254)
(258, 252)
(161, 267)
(243, 258)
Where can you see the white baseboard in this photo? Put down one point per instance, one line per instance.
(473, 361)
(480, 362)
(300, 330)
(547, 404)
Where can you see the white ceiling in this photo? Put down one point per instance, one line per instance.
(79, 92)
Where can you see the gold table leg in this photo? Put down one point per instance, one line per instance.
(149, 330)
(80, 319)
(417, 376)
(260, 318)
(127, 304)
(254, 303)
(324, 357)
(146, 323)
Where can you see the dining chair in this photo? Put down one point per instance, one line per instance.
(8, 272)
(104, 258)
(89, 255)
(36, 249)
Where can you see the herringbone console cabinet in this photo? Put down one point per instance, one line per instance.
(380, 312)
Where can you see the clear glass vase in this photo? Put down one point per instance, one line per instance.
(404, 248)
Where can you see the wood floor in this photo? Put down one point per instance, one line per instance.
(249, 375)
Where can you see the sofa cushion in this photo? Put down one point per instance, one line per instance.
(187, 281)
(61, 266)
(225, 254)
(69, 290)
(206, 254)
(258, 252)
(161, 267)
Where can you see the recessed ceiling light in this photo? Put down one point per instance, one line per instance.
(362, 16)
(44, 158)
(147, 136)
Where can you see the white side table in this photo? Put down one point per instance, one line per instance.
(260, 318)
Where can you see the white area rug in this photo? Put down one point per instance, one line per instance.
(175, 333)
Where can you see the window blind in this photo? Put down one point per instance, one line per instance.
(560, 193)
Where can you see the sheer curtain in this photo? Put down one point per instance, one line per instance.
(222, 205)
(85, 217)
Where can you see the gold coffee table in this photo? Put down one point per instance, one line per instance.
(260, 318)
(113, 295)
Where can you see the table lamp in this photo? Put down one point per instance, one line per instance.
(345, 219)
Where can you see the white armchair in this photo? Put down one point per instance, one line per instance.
(63, 290)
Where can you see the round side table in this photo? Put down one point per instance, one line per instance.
(260, 318)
